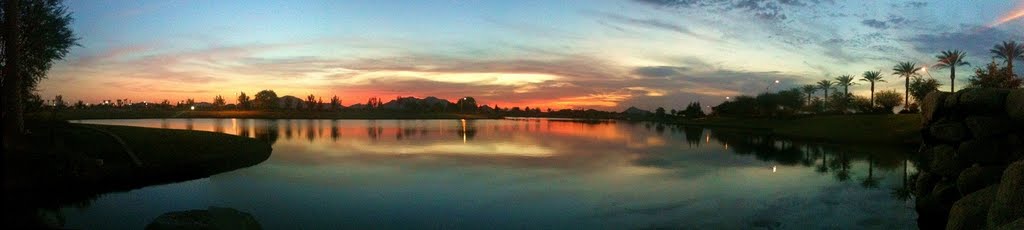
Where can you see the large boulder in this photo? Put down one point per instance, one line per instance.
(970, 211)
(1015, 106)
(1015, 225)
(946, 193)
(982, 100)
(932, 106)
(945, 161)
(949, 131)
(924, 183)
(212, 218)
(986, 127)
(930, 214)
(982, 152)
(1009, 200)
(975, 178)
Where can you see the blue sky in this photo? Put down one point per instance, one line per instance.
(558, 54)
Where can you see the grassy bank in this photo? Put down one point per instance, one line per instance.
(851, 129)
(142, 114)
(61, 163)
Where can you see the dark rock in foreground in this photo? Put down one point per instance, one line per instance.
(970, 212)
(972, 141)
(1009, 201)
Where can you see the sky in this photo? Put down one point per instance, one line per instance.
(597, 54)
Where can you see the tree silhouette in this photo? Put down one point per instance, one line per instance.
(872, 77)
(888, 99)
(825, 85)
(335, 102)
(845, 81)
(809, 90)
(951, 59)
(32, 40)
(993, 76)
(243, 101)
(906, 70)
(265, 100)
(920, 87)
(1009, 51)
(218, 101)
(467, 104)
(310, 102)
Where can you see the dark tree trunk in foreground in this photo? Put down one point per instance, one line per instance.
(12, 102)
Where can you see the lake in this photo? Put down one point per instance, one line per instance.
(526, 173)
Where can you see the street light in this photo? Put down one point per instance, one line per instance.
(767, 89)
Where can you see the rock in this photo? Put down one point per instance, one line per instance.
(1015, 225)
(946, 193)
(975, 178)
(932, 106)
(930, 215)
(971, 211)
(945, 162)
(951, 102)
(212, 218)
(949, 131)
(986, 127)
(1015, 145)
(1009, 200)
(1015, 106)
(981, 152)
(924, 184)
(982, 100)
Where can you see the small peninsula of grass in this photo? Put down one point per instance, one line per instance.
(851, 129)
(61, 162)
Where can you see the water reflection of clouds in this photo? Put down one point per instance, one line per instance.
(672, 150)
(591, 175)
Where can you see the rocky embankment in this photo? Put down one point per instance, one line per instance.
(972, 171)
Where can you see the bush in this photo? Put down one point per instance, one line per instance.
(888, 99)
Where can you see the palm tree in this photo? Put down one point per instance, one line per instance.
(951, 59)
(845, 81)
(872, 77)
(870, 181)
(906, 70)
(809, 89)
(1008, 51)
(825, 85)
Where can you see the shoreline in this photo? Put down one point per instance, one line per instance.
(61, 157)
(889, 129)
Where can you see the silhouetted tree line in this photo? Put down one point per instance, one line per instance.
(916, 86)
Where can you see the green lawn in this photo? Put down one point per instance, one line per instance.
(876, 128)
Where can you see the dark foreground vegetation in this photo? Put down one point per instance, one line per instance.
(61, 163)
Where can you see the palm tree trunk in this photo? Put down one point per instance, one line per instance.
(952, 78)
(906, 93)
(872, 95)
(1009, 65)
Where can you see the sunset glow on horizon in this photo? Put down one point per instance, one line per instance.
(606, 55)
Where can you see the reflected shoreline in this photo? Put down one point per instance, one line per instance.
(649, 151)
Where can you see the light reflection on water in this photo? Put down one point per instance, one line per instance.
(530, 173)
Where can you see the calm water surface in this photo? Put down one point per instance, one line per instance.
(526, 174)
